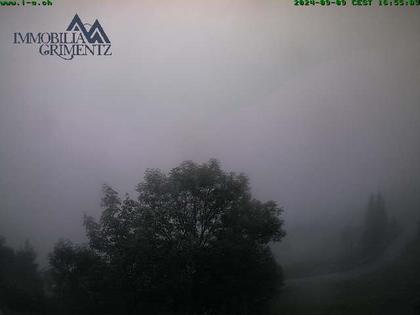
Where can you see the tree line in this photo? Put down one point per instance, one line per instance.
(194, 241)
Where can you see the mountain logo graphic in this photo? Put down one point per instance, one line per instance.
(93, 33)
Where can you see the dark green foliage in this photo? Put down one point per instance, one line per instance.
(20, 283)
(194, 242)
(77, 274)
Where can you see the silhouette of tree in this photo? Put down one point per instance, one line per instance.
(194, 242)
(20, 282)
(378, 228)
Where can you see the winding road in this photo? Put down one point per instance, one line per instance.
(393, 251)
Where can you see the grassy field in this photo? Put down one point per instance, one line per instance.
(395, 289)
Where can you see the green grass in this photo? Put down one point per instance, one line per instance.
(393, 290)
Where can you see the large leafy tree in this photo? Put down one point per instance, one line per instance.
(193, 242)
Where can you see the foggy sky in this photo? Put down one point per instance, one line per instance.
(318, 106)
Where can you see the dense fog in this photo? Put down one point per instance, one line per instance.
(318, 106)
